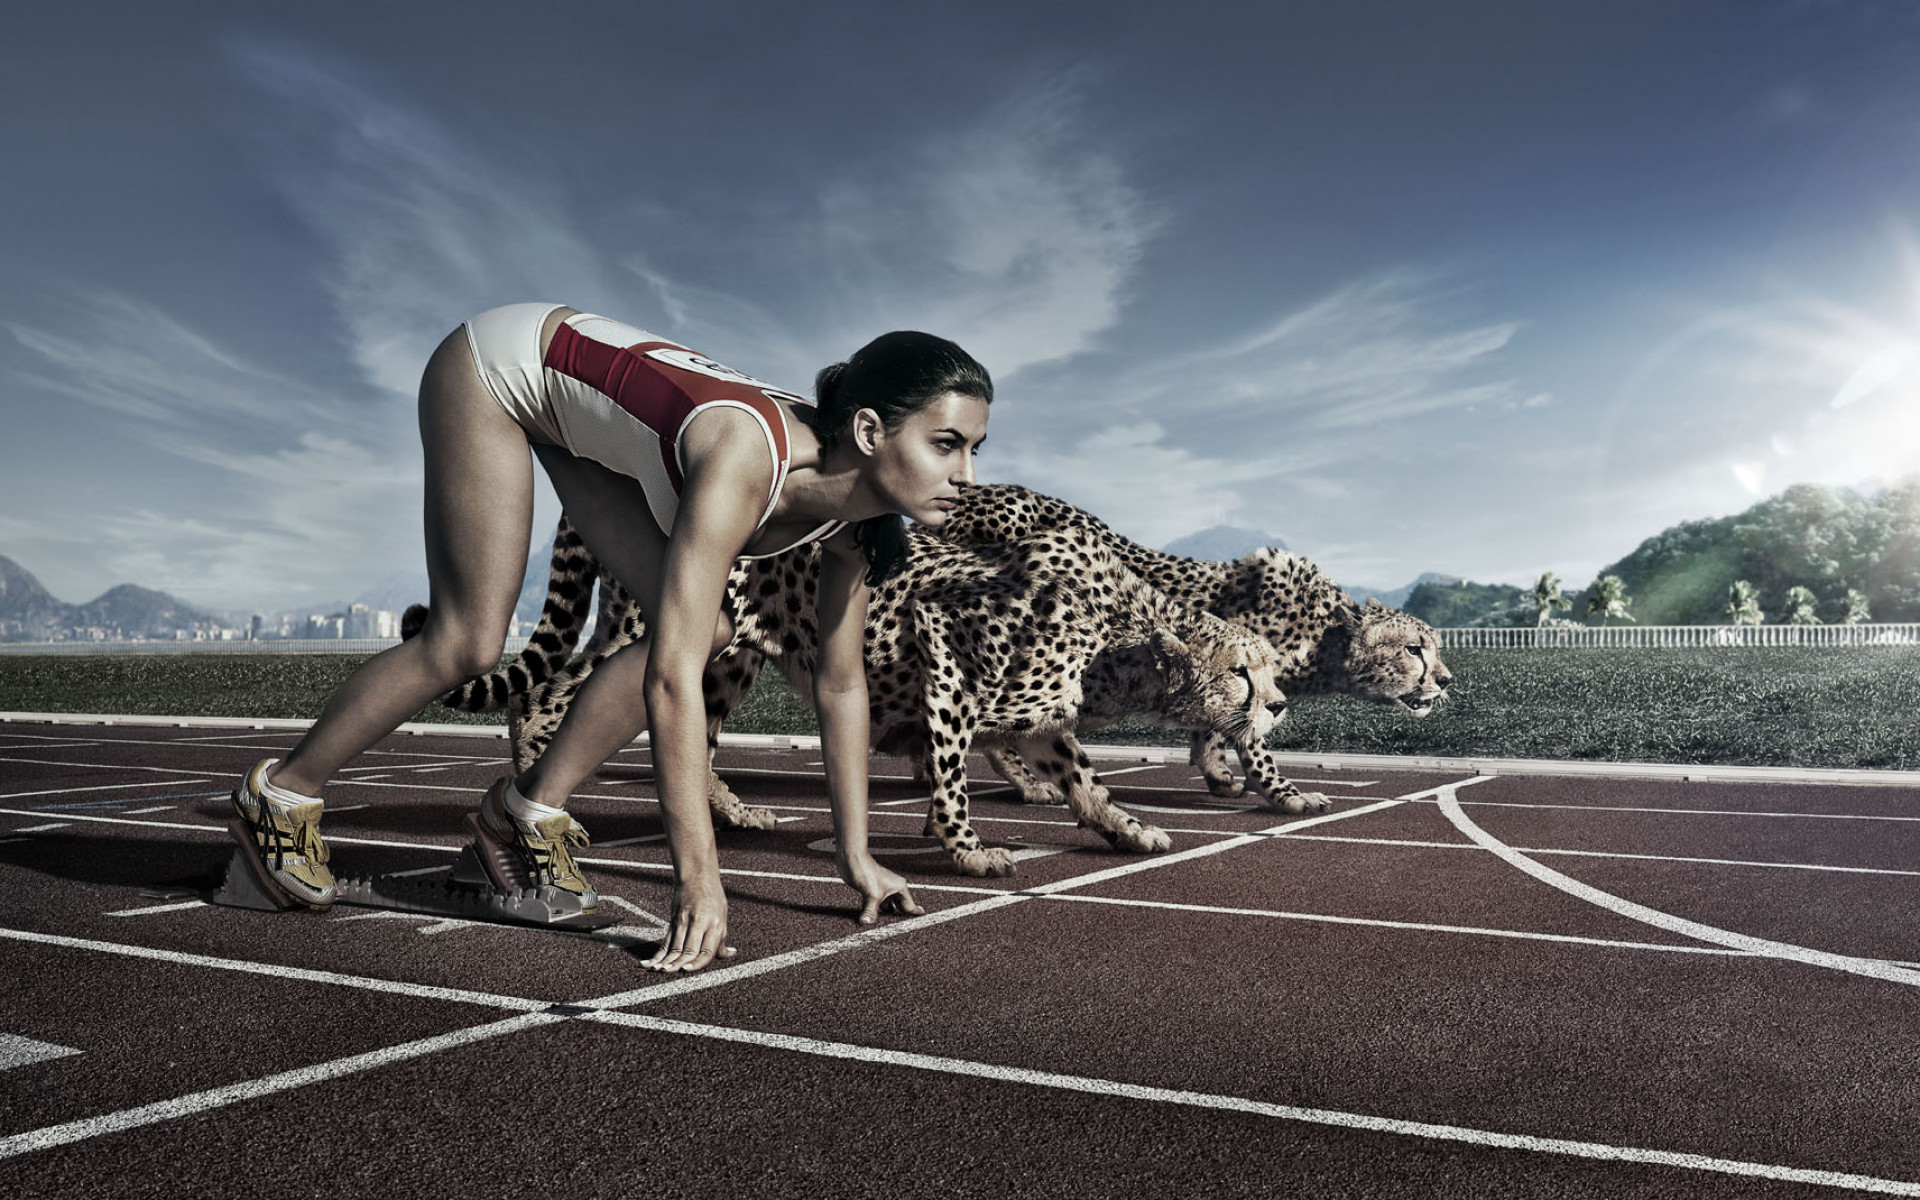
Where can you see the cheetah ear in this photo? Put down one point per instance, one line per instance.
(1348, 615)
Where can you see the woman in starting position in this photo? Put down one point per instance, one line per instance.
(670, 465)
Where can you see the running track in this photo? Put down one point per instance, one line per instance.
(1453, 984)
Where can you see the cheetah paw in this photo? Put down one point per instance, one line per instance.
(744, 818)
(1303, 802)
(1143, 839)
(1227, 789)
(982, 863)
(1040, 793)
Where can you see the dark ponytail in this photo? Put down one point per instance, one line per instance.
(896, 375)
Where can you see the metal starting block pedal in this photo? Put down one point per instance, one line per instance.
(464, 894)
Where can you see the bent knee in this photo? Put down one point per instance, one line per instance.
(461, 652)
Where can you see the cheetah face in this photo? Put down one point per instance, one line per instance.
(1395, 659)
(1222, 679)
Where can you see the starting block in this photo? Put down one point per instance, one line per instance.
(464, 893)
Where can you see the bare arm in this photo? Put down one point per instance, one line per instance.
(840, 696)
(726, 487)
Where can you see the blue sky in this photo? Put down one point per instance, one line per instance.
(1486, 288)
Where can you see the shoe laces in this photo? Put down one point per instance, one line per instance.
(552, 861)
(300, 838)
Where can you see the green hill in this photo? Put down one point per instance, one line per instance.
(1828, 540)
(1451, 603)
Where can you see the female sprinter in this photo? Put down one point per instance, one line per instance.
(670, 466)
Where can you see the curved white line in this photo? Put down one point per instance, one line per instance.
(1873, 968)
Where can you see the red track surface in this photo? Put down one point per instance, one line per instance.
(1361, 1004)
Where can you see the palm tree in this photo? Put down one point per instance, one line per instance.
(1609, 599)
(1743, 604)
(1547, 596)
(1857, 613)
(1800, 604)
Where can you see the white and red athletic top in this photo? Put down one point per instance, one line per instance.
(623, 397)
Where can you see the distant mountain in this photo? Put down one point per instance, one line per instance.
(29, 613)
(1445, 602)
(24, 603)
(1220, 543)
(138, 609)
(1396, 597)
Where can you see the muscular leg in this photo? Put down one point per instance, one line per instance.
(610, 512)
(479, 514)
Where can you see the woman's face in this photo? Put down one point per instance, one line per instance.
(920, 467)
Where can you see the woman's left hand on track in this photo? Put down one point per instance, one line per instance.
(882, 890)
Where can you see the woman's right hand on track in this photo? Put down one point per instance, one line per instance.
(696, 929)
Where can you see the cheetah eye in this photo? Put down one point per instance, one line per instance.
(1414, 650)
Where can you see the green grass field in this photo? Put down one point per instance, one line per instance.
(1760, 707)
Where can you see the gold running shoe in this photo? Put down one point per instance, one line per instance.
(533, 855)
(289, 859)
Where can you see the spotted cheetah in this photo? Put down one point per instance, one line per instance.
(987, 646)
(1327, 643)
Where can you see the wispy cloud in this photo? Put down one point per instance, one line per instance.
(1132, 476)
(277, 526)
(1015, 237)
(1374, 350)
(424, 229)
(1010, 234)
(127, 356)
(1294, 425)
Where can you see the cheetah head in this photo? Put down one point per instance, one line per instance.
(1221, 677)
(1393, 658)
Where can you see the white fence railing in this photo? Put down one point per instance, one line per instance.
(362, 646)
(1651, 636)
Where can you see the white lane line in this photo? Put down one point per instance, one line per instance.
(654, 922)
(17, 1051)
(1690, 812)
(105, 787)
(1721, 862)
(210, 737)
(632, 841)
(340, 808)
(158, 908)
(99, 766)
(630, 864)
(253, 1089)
(1285, 1112)
(395, 987)
(195, 743)
(1346, 783)
(680, 985)
(1421, 926)
(1676, 858)
(41, 737)
(41, 828)
(165, 1110)
(136, 812)
(1872, 968)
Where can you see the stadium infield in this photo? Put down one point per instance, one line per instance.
(1462, 980)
